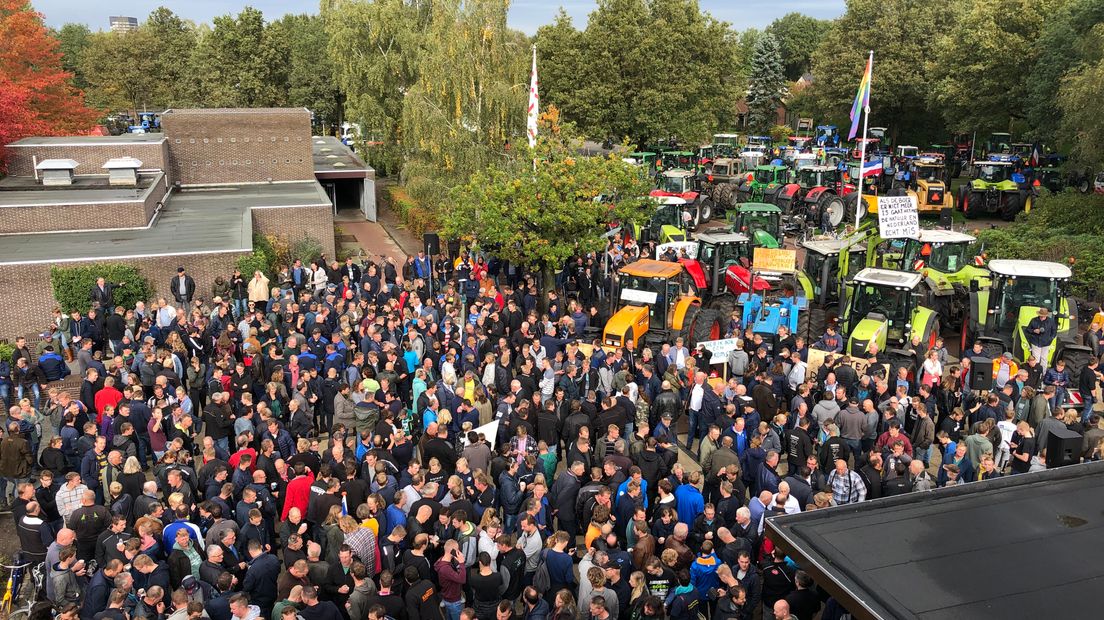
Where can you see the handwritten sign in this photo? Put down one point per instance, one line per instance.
(771, 259)
(816, 360)
(898, 217)
(720, 348)
(689, 248)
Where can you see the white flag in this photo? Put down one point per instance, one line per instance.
(534, 103)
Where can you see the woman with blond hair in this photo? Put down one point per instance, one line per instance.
(361, 540)
(332, 535)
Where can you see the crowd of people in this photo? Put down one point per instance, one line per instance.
(431, 440)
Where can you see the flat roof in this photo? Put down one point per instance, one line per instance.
(209, 111)
(197, 220)
(933, 235)
(1022, 546)
(721, 237)
(888, 277)
(86, 189)
(332, 159)
(1030, 268)
(832, 246)
(122, 139)
(652, 268)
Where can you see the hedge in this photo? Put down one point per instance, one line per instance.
(1064, 228)
(73, 285)
(271, 252)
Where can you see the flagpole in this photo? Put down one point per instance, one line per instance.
(862, 147)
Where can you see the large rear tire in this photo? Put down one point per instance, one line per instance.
(1076, 359)
(831, 210)
(818, 321)
(974, 205)
(704, 212)
(703, 326)
(1010, 205)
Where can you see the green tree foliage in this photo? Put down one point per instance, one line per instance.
(174, 40)
(1064, 45)
(73, 40)
(1079, 102)
(469, 98)
(1059, 227)
(900, 32)
(766, 85)
(241, 63)
(559, 60)
(73, 285)
(981, 63)
(542, 215)
(798, 37)
(645, 70)
(310, 72)
(375, 46)
(115, 72)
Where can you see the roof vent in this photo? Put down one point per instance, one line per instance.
(123, 171)
(56, 171)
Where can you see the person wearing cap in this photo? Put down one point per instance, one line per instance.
(1004, 368)
(182, 287)
(1041, 332)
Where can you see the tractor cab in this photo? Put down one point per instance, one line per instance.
(944, 251)
(871, 146)
(930, 167)
(724, 260)
(675, 182)
(723, 167)
(817, 176)
(907, 152)
(819, 275)
(645, 159)
(668, 222)
(759, 143)
(761, 222)
(656, 300)
(1022, 150)
(999, 142)
(881, 310)
(685, 160)
(1019, 289)
(724, 144)
(994, 171)
(870, 182)
(827, 136)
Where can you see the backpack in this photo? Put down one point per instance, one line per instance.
(542, 580)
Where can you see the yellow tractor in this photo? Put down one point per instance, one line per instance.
(657, 301)
(925, 177)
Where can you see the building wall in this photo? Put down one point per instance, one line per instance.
(89, 157)
(76, 217)
(228, 146)
(297, 222)
(29, 297)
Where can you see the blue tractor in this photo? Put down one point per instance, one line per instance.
(827, 136)
(765, 317)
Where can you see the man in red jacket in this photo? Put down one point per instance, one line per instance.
(298, 491)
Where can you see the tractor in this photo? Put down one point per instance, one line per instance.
(678, 160)
(722, 178)
(950, 263)
(759, 143)
(999, 142)
(682, 183)
(761, 222)
(720, 265)
(995, 188)
(1055, 181)
(827, 136)
(926, 181)
(667, 223)
(647, 160)
(763, 184)
(656, 302)
(819, 277)
(998, 317)
(725, 145)
(815, 191)
(884, 308)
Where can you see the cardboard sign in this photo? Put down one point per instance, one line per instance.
(816, 360)
(690, 248)
(898, 217)
(720, 349)
(770, 259)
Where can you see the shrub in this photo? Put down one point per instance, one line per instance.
(72, 285)
(306, 249)
(7, 349)
(415, 216)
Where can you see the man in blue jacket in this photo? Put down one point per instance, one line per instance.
(52, 365)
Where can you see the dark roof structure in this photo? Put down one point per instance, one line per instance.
(1023, 546)
(334, 160)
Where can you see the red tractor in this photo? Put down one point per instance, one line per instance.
(819, 194)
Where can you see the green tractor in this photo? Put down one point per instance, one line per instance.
(998, 317)
(884, 308)
(726, 144)
(647, 160)
(950, 263)
(764, 184)
(995, 188)
(761, 222)
(667, 223)
(819, 278)
(670, 160)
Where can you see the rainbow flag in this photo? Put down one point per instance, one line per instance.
(862, 98)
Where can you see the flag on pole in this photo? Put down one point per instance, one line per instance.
(534, 103)
(872, 167)
(862, 98)
(1035, 156)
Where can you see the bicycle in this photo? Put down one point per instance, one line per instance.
(18, 599)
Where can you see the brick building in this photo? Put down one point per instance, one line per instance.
(192, 196)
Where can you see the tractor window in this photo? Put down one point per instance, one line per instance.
(650, 292)
(1034, 292)
(706, 253)
(892, 303)
(993, 174)
(764, 176)
(721, 169)
(949, 257)
(930, 173)
(813, 264)
(673, 184)
(731, 253)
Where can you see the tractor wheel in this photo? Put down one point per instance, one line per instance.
(701, 325)
(818, 322)
(1084, 181)
(932, 333)
(974, 205)
(1028, 202)
(831, 211)
(849, 203)
(704, 212)
(723, 305)
(1076, 359)
(803, 324)
(967, 340)
(1010, 205)
(724, 195)
(784, 203)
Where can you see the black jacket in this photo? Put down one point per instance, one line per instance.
(189, 289)
(562, 496)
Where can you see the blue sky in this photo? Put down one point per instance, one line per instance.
(526, 15)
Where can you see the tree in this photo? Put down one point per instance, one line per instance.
(240, 63)
(375, 46)
(1079, 102)
(559, 61)
(36, 95)
(469, 98)
(766, 86)
(541, 216)
(73, 40)
(174, 41)
(979, 68)
(798, 37)
(1061, 47)
(310, 70)
(900, 33)
(115, 71)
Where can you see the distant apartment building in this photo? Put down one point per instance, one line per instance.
(121, 23)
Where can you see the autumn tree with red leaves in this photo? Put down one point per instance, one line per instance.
(36, 97)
